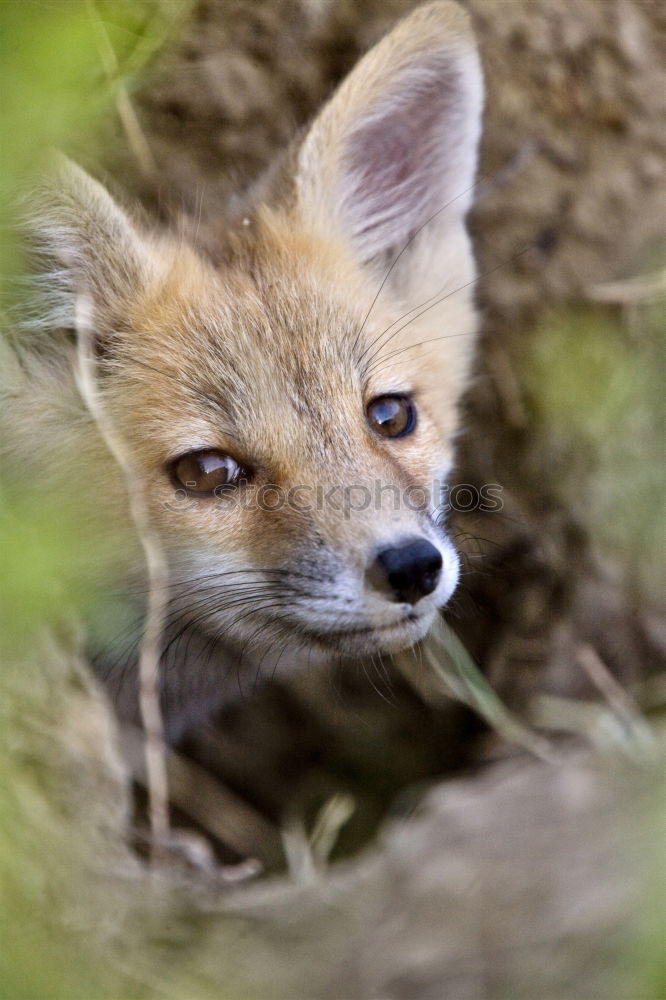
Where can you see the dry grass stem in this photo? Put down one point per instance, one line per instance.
(136, 138)
(442, 668)
(618, 699)
(212, 805)
(644, 288)
(150, 649)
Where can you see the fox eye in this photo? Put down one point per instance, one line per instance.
(392, 416)
(204, 472)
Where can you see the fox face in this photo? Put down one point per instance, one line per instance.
(289, 404)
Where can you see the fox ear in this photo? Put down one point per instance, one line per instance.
(398, 140)
(86, 243)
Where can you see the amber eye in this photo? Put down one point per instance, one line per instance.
(204, 472)
(392, 416)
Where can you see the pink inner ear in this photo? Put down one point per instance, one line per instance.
(396, 162)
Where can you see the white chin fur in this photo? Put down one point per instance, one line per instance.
(390, 639)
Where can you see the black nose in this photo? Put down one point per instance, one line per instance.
(409, 571)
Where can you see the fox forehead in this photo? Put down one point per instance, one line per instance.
(274, 335)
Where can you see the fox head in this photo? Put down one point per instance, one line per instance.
(289, 408)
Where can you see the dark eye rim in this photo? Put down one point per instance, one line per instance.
(403, 397)
(244, 473)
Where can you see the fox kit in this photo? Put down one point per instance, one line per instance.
(289, 401)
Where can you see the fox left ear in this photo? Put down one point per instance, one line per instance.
(86, 243)
(397, 143)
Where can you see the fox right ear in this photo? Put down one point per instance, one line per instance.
(397, 142)
(87, 242)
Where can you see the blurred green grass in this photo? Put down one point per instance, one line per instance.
(56, 91)
(595, 380)
(56, 80)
